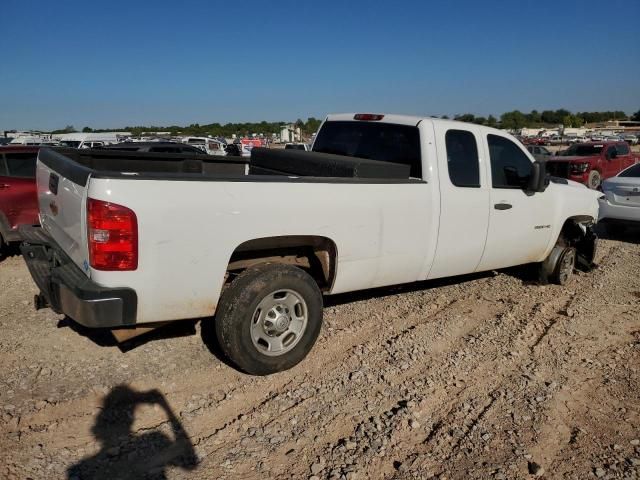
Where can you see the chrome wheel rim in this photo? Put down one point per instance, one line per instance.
(566, 266)
(279, 322)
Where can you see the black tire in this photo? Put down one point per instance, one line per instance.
(594, 180)
(559, 266)
(238, 317)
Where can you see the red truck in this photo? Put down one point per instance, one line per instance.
(18, 198)
(591, 163)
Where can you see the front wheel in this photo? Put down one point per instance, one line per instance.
(594, 180)
(559, 266)
(269, 318)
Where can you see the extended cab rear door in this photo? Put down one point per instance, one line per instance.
(625, 156)
(520, 223)
(464, 199)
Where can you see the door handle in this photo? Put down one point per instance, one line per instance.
(4, 185)
(502, 206)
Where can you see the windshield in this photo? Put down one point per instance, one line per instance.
(583, 150)
(631, 171)
(386, 142)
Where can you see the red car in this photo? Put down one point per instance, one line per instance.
(18, 199)
(591, 163)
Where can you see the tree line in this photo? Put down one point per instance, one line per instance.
(516, 119)
(227, 130)
(509, 120)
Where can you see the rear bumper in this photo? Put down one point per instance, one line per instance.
(66, 289)
(611, 211)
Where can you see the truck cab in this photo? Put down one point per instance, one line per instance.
(591, 163)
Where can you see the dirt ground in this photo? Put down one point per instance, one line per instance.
(484, 376)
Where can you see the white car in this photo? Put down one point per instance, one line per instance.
(297, 146)
(620, 205)
(380, 200)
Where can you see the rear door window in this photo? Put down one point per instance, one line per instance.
(462, 158)
(622, 148)
(21, 164)
(510, 166)
(386, 142)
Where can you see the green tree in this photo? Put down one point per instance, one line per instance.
(87, 130)
(513, 120)
(312, 125)
(492, 121)
(636, 116)
(466, 117)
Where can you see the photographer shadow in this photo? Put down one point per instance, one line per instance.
(127, 454)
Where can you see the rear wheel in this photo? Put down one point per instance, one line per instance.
(594, 180)
(559, 265)
(269, 318)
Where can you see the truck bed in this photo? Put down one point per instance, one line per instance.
(264, 164)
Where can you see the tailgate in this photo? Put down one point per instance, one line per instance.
(62, 196)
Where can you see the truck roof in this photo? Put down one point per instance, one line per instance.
(412, 120)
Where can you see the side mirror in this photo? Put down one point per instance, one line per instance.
(538, 180)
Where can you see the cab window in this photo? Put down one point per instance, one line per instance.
(510, 166)
(462, 158)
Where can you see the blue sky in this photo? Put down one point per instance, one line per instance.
(117, 63)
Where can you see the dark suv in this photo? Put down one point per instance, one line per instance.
(155, 147)
(18, 198)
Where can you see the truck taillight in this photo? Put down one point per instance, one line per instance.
(113, 236)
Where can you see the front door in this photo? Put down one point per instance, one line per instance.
(520, 223)
(611, 164)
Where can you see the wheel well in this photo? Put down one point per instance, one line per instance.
(577, 232)
(315, 254)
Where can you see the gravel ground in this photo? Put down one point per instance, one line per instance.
(485, 376)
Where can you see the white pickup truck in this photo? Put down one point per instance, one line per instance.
(133, 241)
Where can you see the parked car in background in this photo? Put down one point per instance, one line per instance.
(210, 146)
(591, 163)
(87, 140)
(578, 139)
(18, 198)
(620, 205)
(380, 200)
(539, 152)
(155, 147)
(297, 146)
(630, 138)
